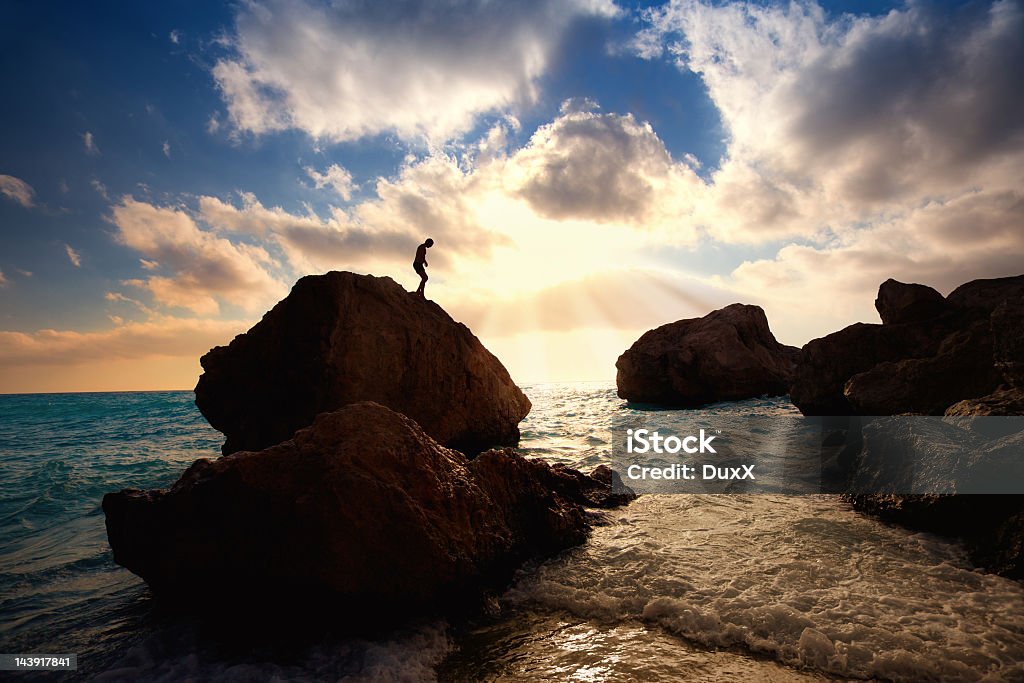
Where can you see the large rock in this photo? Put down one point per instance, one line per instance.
(362, 509)
(1008, 341)
(1001, 402)
(340, 338)
(927, 354)
(986, 295)
(962, 366)
(727, 355)
(898, 302)
(826, 365)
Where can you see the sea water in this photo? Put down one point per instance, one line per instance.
(672, 587)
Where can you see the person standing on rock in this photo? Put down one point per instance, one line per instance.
(420, 264)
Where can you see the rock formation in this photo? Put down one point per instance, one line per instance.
(961, 356)
(340, 338)
(360, 509)
(928, 354)
(729, 354)
(899, 302)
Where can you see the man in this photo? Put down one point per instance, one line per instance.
(420, 264)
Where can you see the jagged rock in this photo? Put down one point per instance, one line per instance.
(1001, 402)
(925, 356)
(986, 295)
(898, 302)
(1008, 341)
(826, 365)
(340, 338)
(923, 385)
(729, 354)
(361, 509)
(956, 478)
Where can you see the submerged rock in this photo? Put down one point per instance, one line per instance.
(360, 509)
(729, 354)
(340, 338)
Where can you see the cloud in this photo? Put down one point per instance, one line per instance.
(604, 168)
(335, 177)
(199, 270)
(174, 36)
(90, 144)
(100, 188)
(73, 256)
(3, 280)
(310, 243)
(166, 147)
(162, 337)
(423, 71)
(17, 190)
(833, 122)
(865, 147)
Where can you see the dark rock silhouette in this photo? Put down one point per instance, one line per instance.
(729, 354)
(361, 509)
(1008, 341)
(926, 356)
(961, 366)
(340, 338)
(962, 357)
(898, 302)
(1002, 401)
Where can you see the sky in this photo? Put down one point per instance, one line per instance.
(587, 169)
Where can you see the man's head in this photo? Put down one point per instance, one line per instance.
(429, 242)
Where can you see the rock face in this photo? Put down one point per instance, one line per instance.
(360, 509)
(928, 354)
(340, 338)
(729, 354)
(898, 302)
(961, 356)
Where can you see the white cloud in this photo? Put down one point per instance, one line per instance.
(336, 177)
(90, 144)
(162, 337)
(837, 122)
(424, 71)
(17, 190)
(871, 147)
(200, 270)
(100, 188)
(166, 147)
(174, 36)
(604, 168)
(73, 256)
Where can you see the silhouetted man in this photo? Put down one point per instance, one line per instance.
(420, 264)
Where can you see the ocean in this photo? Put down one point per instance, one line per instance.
(705, 587)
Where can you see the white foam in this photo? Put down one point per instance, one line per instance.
(804, 580)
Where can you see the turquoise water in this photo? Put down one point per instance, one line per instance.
(694, 587)
(61, 591)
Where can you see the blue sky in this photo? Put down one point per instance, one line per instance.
(166, 170)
